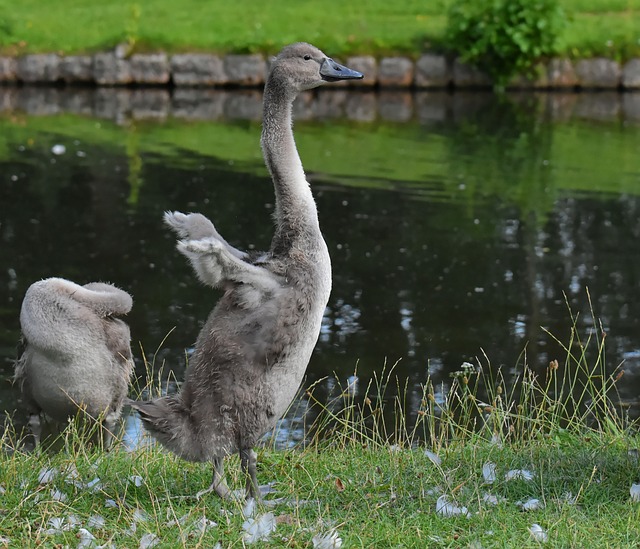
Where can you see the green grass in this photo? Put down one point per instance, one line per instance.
(242, 26)
(366, 475)
(373, 497)
(596, 27)
(610, 34)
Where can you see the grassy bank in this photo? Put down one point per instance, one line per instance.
(595, 27)
(550, 457)
(372, 496)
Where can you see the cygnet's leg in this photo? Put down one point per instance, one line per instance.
(215, 265)
(218, 483)
(35, 426)
(50, 431)
(108, 429)
(248, 462)
(196, 226)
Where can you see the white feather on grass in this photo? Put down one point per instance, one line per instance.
(492, 499)
(435, 458)
(71, 473)
(176, 522)
(328, 540)
(94, 485)
(57, 495)
(136, 480)
(56, 523)
(96, 521)
(203, 524)
(259, 529)
(61, 524)
(249, 508)
(532, 504)
(47, 475)
(447, 509)
(538, 533)
(489, 472)
(87, 539)
(139, 515)
(518, 474)
(148, 540)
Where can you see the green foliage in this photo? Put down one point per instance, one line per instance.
(504, 37)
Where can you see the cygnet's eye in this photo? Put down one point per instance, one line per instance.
(307, 57)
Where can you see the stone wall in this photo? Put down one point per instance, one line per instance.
(116, 68)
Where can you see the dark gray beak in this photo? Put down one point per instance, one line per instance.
(332, 71)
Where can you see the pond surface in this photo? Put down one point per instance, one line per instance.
(459, 225)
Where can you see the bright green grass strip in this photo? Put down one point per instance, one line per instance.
(242, 25)
(599, 6)
(614, 35)
(340, 28)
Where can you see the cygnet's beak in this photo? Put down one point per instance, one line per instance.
(332, 71)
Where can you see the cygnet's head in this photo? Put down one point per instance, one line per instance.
(302, 66)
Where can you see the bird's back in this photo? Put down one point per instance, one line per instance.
(72, 357)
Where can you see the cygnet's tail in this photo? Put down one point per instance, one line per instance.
(168, 420)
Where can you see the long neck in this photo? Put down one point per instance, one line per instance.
(295, 210)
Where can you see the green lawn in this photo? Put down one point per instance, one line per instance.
(610, 27)
(372, 497)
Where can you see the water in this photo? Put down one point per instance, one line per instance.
(459, 225)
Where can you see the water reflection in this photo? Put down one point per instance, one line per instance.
(457, 223)
(196, 104)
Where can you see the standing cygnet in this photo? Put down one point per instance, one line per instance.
(76, 356)
(252, 353)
